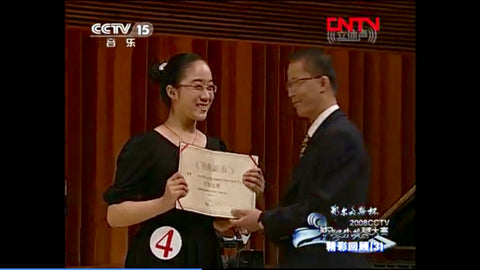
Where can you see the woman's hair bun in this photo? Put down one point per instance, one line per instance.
(157, 70)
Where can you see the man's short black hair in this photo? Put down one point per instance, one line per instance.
(317, 63)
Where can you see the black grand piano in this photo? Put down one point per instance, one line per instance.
(402, 231)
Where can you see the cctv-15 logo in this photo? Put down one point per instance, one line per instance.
(139, 29)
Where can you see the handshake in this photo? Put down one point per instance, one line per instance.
(247, 220)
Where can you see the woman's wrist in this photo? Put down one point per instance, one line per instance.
(164, 205)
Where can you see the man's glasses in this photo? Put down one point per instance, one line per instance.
(212, 88)
(290, 84)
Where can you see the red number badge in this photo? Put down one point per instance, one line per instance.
(165, 242)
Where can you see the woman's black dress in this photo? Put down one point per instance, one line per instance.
(144, 164)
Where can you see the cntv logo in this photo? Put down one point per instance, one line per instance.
(349, 24)
(352, 29)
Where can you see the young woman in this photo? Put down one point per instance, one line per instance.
(147, 183)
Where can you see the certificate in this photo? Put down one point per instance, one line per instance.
(214, 180)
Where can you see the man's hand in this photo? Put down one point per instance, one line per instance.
(247, 219)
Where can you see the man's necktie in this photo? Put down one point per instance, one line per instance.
(304, 144)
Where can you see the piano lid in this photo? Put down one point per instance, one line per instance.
(402, 219)
(402, 231)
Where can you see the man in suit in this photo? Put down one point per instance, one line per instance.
(333, 168)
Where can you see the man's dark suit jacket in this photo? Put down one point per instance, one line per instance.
(334, 170)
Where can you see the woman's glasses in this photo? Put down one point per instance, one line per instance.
(212, 88)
